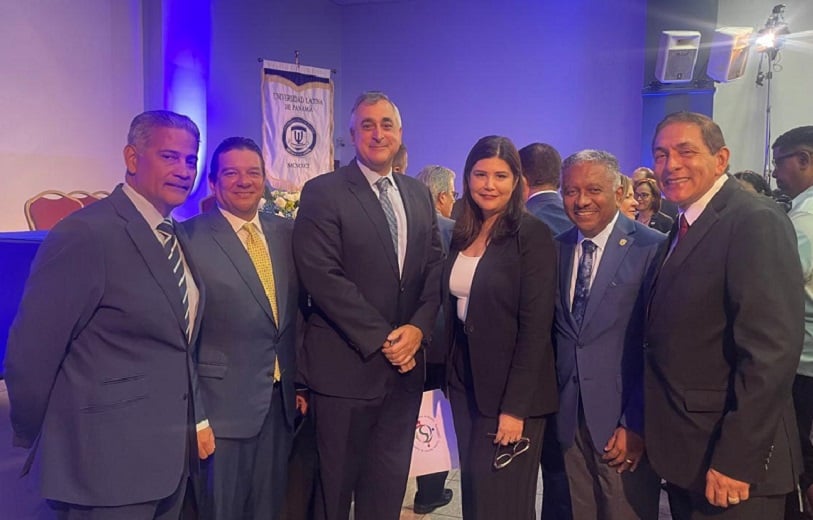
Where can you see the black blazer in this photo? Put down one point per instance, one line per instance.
(661, 222)
(509, 323)
(725, 330)
(346, 262)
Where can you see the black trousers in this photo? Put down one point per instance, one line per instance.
(689, 505)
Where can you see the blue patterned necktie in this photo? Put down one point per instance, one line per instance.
(582, 290)
(383, 185)
(173, 252)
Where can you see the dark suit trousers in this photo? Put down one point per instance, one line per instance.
(246, 478)
(168, 508)
(803, 403)
(556, 493)
(365, 447)
(489, 493)
(689, 505)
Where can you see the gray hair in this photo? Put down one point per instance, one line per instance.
(143, 124)
(601, 157)
(437, 179)
(371, 98)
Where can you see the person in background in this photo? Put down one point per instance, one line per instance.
(649, 213)
(401, 160)
(724, 333)
(432, 492)
(753, 182)
(628, 204)
(500, 279)
(99, 367)
(540, 167)
(368, 253)
(246, 353)
(605, 266)
(667, 206)
(793, 171)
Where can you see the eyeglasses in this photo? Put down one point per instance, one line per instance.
(642, 196)
(779, 158)
(455, 195)
(503, 455)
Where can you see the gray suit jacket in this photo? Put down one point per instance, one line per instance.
(98, 368)
(601, 361)
(239, 339)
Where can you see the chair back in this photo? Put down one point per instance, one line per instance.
(45, 209)
(84, 197)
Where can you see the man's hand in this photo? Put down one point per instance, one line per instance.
(723, 491)
(206, 442)
(401, 346)
(624, 450)
(509, 429)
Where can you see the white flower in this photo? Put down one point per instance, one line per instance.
(279, 202)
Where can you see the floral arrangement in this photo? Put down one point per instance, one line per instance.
(282, 203)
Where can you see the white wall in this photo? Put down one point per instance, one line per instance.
(70, 82)
(739, 106)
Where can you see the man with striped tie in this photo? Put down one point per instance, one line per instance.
(246, 357)
(98, 369)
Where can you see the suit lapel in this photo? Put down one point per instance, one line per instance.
(368, 201)
(280, 262)
(618, 244)
(227, 239)
(151, 251)
(567, 249)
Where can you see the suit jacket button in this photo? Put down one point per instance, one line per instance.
(469, 329)
(403, 288)
(580, 345)
(185, 397)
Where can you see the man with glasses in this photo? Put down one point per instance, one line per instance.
(605, 263)
(724, 333)
(793, 171)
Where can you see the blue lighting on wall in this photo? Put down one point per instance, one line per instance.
(187, 35)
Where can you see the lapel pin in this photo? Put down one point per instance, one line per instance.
(622, 242)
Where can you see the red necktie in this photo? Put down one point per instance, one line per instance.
(683, 227)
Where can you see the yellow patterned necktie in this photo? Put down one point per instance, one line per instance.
(262, 263)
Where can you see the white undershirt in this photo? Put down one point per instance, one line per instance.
(460, 282)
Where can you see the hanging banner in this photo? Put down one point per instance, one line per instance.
(297, 104)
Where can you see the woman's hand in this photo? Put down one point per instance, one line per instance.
(509, 429)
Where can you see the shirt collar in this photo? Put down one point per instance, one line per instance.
(696, 208)
(801, 198)
(372, 177)
(602, 237)
(237, 223)
(532, 195)
(144, 207)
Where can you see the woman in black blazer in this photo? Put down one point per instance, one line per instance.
(648, 196)
(500, 284)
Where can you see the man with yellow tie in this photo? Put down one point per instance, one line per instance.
(246, 357)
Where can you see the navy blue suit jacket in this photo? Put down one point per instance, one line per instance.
(602, 361)
(548, 208)
(239, 339)
(99, 369)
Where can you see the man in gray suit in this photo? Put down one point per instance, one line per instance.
(99, 369)
(605, 263)
(246, 358)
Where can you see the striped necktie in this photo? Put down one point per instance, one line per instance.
(383, 185)
(262, 263)
(582, 290)
(173, 251)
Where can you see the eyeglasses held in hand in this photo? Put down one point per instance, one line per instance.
(503, 455)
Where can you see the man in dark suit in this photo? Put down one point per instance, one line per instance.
(432, 493)
(541, 164)
(604, 264)
(367, 250)
(246, 354)
(99, 368)
(724, 333)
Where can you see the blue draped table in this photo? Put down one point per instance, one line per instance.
(17, 250)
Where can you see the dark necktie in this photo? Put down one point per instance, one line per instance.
(383, 185)
(582, 289)
(683, 227)
(173, 252)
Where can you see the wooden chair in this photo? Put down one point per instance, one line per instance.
(84, 197)
(45, 209)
